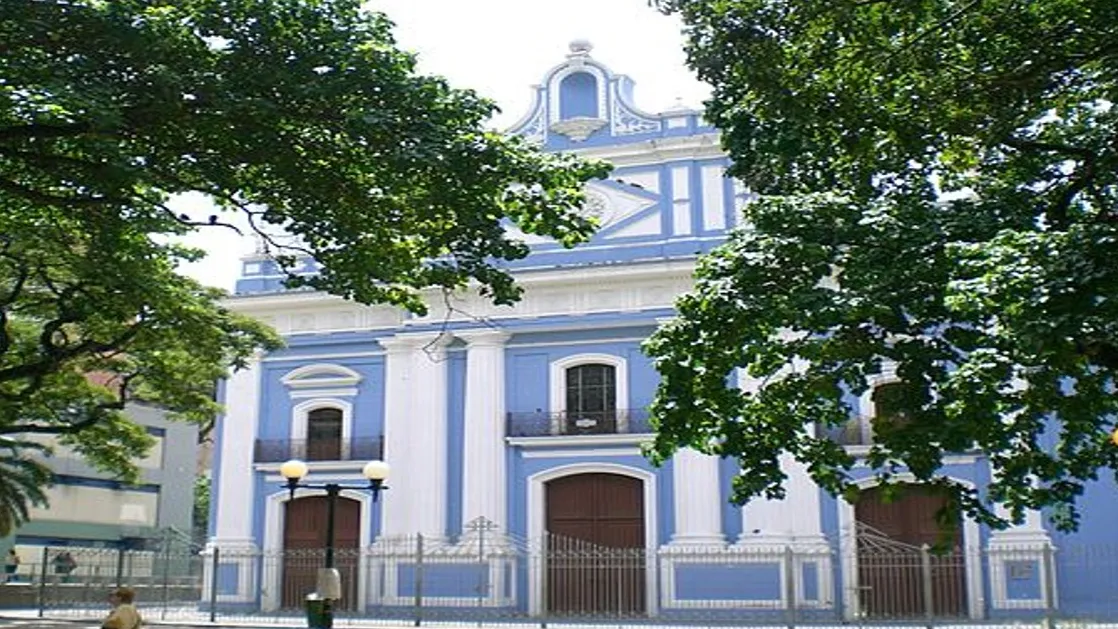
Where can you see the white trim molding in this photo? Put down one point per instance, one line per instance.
(241, 553)
(300, 413)
(537, 521)
(320, 376)
(848, 553)
(787, 558)
(579, 440)
(557, 384)
(274, 520)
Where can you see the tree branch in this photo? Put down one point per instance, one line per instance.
(22, 132)
(185, 220)
(1080, 180)
(49, 199)
(56, 356)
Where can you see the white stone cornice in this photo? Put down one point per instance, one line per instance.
(622, 288)
(410, 341)
(483, 337)
(658, 150)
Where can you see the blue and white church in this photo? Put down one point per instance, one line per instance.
(514, 434)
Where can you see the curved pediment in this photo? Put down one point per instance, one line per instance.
(320, 375)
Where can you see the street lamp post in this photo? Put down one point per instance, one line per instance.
(329, 582)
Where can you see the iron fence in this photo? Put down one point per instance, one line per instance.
(485, 576)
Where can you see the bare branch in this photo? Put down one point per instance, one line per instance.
(183, 219)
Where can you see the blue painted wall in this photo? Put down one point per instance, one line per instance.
(578, 96)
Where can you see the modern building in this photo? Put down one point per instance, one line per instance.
(526, 421)
(89, 509)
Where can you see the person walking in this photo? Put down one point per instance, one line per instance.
(64, 564)
(11, 565)
(124, 614)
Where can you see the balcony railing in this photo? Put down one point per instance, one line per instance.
(544, 424)
(279, 450)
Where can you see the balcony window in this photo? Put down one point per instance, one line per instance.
(591, 399)
(324, 434)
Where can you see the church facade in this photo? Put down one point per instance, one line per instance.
(513, 435)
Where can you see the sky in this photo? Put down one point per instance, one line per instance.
(501, 48)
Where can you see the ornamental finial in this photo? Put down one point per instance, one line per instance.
(581, 47)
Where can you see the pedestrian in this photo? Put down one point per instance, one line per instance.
(11, 565)
(64, 564)
(124, 614)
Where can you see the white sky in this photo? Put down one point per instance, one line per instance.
(501, 48)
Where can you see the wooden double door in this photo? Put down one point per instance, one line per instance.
(595, 552)
(893, 580)
(304, 544)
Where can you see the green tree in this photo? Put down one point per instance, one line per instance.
(200, 520)
(300, 117)
(936, 193)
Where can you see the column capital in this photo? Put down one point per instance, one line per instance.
(483, 337)
(408, 341)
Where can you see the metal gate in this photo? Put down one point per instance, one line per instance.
(904, 581)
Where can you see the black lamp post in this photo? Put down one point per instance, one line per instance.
(294, 471)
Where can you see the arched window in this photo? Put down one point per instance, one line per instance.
(324, 434)
(591, 396)
(890, 406)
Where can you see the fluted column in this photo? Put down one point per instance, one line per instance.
(698, 501)
(484, 471)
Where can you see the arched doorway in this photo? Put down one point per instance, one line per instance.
(304, 544)
(893, 578)
(595, 545)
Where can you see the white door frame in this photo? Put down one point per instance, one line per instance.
(274, 520)
(537, 522)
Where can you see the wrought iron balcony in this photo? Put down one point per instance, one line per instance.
(544, 424)
(280, 450)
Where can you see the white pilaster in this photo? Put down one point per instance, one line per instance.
(698, 500)
(235, 499)
(415, 429)
(235, 484)
(794, 520)
(396, 510)
(428, 421)
(483, 464)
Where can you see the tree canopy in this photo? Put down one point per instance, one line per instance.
(298, 116)
(936, 194)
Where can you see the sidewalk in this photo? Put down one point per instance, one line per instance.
(79, 619)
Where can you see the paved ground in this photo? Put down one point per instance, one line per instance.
(38, 623)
